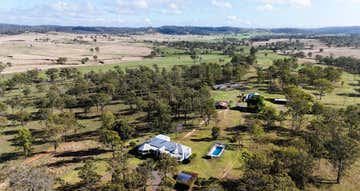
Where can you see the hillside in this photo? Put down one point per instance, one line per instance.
(173, 30)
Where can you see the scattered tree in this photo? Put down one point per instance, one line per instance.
(24, 141)
(323, 86)
(88, 175)
(215, 133)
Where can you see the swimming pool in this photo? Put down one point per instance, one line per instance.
(216, 150)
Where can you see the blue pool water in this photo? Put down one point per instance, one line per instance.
(217, 151)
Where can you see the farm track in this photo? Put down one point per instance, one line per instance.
(189, 134)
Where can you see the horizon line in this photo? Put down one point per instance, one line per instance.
(195, 26)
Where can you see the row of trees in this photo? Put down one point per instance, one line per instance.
(341, 41)
(205, 47)
(349, 64)
(295, 45)
(286, 72)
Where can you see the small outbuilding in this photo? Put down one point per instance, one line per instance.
(280, 101)
(221, 105)
(186, 180)
(228, 86)
(250, 96)
(255, 102)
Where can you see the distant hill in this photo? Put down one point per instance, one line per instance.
(172, 30)
(324, 30)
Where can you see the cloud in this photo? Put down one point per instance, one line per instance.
(221, 4)
(296, 3)
(131, 6)
(174, 8)
(141, 4)
(147, 20)
(74, 9)
(89, 7)
(62, 6)
(236, 21)
(266, 7)
(347, 1)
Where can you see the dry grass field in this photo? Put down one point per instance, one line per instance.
(317, 45)
(330, 51)
(40, 51)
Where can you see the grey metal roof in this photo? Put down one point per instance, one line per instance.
(183, 177)
(159, 143)
(179, 149)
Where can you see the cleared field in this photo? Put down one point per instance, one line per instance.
(40, 51)
(314, 46)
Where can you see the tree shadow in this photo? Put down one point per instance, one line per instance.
(34, 132)
(142, 129)
(9, 156)
(37, 135)
(239, 128)
(127, 112)
(282, 142)
(261, 86)
(84, 116)
(205, 139)
(70, 187)
(243, 109)
(15, 155)
(229, 184)
(88, 152)
(262, 89)
(115, 102)
(281, 131)
(10, 132)
(320, 182)
(355, 84)
(74, 160)
(88, 135)
(349, 94)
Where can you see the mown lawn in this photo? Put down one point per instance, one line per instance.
(229, 164)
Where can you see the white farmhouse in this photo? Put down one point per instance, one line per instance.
(162, 144)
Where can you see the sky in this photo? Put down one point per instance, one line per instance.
(144, 13)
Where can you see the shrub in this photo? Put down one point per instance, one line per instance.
(132, 144)
(215, 132)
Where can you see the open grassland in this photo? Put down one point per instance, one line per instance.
(163, 62)
(40, 51)
(314, 46)
(344, 94)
